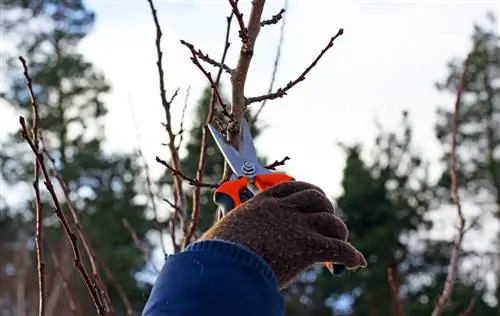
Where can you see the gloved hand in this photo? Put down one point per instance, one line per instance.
(291, 226)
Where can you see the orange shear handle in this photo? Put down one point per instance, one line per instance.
(231, 194)
(265, 181)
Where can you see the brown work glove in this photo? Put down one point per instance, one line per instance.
(291, 226)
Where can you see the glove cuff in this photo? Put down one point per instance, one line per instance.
(239, 253)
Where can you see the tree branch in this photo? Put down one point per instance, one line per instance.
(38, 200)
(275, 19)
(202, 161)
(283, 91)
(277, 163)
(179, 198)
(213, 85)
(457, 245)
(77, 259)
(276, 63)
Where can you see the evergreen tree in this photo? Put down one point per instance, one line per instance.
(384, 202)
(70, 91)
(478, 135)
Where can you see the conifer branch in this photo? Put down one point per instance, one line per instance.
(445, 296)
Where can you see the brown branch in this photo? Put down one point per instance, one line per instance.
(207, 58)
(243, 32)
(183, 115)
(469, 308)
(89, 251)
(38, 200)
(277, 163)
(213, 85)
(179, 198)
(147, 174)
(395, 284)
(455, 253)
(276, 64)
(274, 20)
(200, 172)
(283, 91)
(69, 294)
(77, 259)
(121, 292)
(238, 80)
(137, 242)
(178, 173)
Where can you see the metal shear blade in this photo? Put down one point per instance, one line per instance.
(244, 162)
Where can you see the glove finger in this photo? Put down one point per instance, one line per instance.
(328, 225)
(290, 187)
(338, 252)
(308, 201)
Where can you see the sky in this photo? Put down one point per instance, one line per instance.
(390, 56)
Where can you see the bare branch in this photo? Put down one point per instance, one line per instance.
(457, 245)
(276, 64)
(137, 242)
(180, 133)
(123, 296)
(283, 91)
(179, 198)
(395, 284)
(38, 200)
(249, 36)
(89, 251)
(178, 173)
(469, 308)
(194, 59)
(200, 172)
(207, 58)
(77, 259)
(147, 174)
(275, 19)
(243, 32)
(69, 294)
(277, 163)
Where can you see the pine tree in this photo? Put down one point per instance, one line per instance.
(102, 185)
(384, 203)
(478, 135)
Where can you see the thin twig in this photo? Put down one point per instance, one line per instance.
(200, 172)
(89, 251)
(213, 85)
(137, 242)
(283, 91)
(277, 163)
(69, 294)
(121, 292)
(275, 19)
(180, 133)
(38, 200)
(207, 58)
(452, 268)
(395, 284)
(179, 198)
(190, 180)
(276, 62)
(147, 174)
(469, 308)
(77, 259)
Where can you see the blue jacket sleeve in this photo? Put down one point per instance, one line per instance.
(215, 278)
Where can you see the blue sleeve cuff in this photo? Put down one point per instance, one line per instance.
(215, 278)
(239, 253)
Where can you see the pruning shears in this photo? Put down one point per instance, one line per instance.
(249, 176)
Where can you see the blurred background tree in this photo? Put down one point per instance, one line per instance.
(103, 186)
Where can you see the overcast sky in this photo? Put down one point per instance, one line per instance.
(388, 59)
